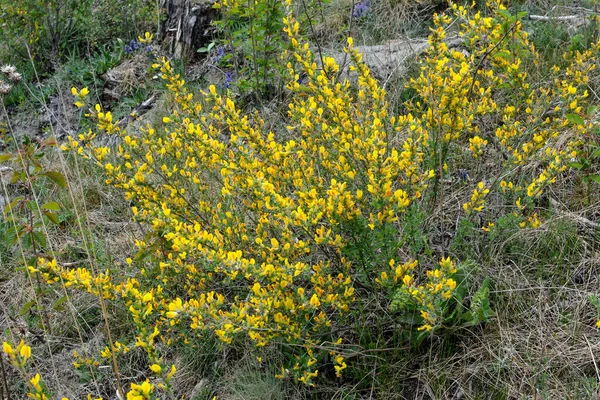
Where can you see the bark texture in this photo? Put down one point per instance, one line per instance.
(187, 26)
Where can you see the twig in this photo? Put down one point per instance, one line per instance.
(487, 53)
(343, 66)
(593, 358)
(138, 111)
(312, 29)
(561, 18)
(4, 382)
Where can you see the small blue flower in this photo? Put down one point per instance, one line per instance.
(361, 9)
(228, 79)
(133, 46)
(220, 54)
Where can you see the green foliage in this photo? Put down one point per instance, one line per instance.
(50, 32)
(252, 30)
(25, 215)
(252, 36)
(480, 310)
(48, 28)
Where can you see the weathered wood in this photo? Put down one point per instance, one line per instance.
(122, 79)
(389, 58)
(187, 26)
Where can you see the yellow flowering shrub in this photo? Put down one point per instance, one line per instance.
(481, 96)
(252, 235)
(276, 236)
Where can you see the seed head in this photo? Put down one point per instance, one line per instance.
(5, 88)
(8, 69)
(15, 76)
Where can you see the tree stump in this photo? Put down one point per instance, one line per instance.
(187, 26)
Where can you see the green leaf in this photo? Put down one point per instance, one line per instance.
(575, 165)
(575, 119)
(5, 157)
(504, 13)
(57, 178)
(11, 236)
(595, 301)
(32, 261)
(206, 49)
(51, 206)
(57, 304)
(12, 205)
(26, 307)
(26, 241)
(16, 176)
(52, 217)
(592, 109)
(595, 178)
(596, 153)
(503, 54)
(40, 238)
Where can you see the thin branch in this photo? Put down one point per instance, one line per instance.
(312, 29)
(486, 55)
(343, 66)
(561, 18)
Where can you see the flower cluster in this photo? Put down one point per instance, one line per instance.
(141, 42)
(476, 145)
(13, 77)
(361, 9)
(18, 358)
(461, 92)
(142, 391)
(439, 287)
(477, 199)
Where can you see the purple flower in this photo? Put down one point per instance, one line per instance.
(133, 46)
(220, 54)
(361, 9)
(228, 79)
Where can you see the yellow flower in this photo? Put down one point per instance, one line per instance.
(25, 352)
(156, 368)
(147, 297)
(7, 348)
(35, 382)
(172, 372)
(314, 300)
(146, 39)
(140, 392)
